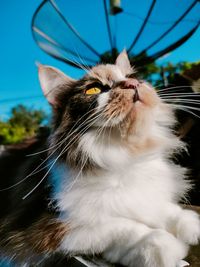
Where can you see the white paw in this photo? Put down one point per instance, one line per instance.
(183, 263)
(159, 249)
(188, 227)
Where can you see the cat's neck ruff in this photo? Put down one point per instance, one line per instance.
(113, 157)
(148, 174)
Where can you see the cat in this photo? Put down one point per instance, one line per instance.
(103, 183)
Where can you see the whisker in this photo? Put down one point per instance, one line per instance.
(75, 63)
(60, 154)
(65, 139)
(185, 109)
(81, 59)
(79, 173)
(101, 128)
(187, 104)
(35, 187)
(176, 87)
(186, 100)
(42, 151)
(24, 179)
(188, 107)
(68, 145)
(196, 104)
(86, 67)
(90, 121)
(179, 95)
(38, 169)
(82, 66)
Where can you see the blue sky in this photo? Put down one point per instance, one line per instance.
(18, 54)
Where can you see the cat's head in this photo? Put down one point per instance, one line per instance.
(108, 107)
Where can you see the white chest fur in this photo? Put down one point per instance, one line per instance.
(138, 191)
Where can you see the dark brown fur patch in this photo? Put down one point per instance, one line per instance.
(47, 234)
(42, 237)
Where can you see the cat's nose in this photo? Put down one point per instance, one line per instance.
(130, 84)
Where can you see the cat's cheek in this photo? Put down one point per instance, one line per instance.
(148, 97)
(102, 100)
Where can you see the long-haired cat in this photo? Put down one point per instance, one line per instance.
(104, 183)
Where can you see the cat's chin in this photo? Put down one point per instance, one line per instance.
(138, 105)
(136, 113)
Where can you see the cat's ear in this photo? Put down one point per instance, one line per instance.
(51, 80)
(123, 62)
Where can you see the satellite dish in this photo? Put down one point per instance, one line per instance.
(91, 31)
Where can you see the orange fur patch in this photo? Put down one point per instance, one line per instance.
(120, 103)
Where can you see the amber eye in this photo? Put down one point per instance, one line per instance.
(93, 91)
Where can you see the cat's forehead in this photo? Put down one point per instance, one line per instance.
(108, 73)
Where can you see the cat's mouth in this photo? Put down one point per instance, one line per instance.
(133, 103)
(136, 96)
(145, 96)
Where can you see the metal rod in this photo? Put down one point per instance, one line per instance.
(57, 44)
(74, 30)
(108, 25)
(143, 25)
(171, 28)
(176, 44)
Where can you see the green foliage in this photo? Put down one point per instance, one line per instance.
(23, 123)
(170, 69)
(150, 72)
(155, 73)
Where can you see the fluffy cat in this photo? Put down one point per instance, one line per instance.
(104, 183)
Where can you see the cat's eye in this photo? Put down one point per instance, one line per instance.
(93, 91)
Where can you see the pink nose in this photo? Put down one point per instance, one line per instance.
(130, 84)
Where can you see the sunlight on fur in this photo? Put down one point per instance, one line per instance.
(117, 191)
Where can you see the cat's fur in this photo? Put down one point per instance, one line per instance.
(111, 187)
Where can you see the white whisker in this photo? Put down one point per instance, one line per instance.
(181, 96)
(185, 109)
(69, 134)
(178, 87)
(195, 102)
(60, 154)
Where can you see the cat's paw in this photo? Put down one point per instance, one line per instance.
(182, 263)
(159, 249)
(188, 227)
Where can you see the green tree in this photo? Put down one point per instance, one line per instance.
(156, 74)
(23, 123)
